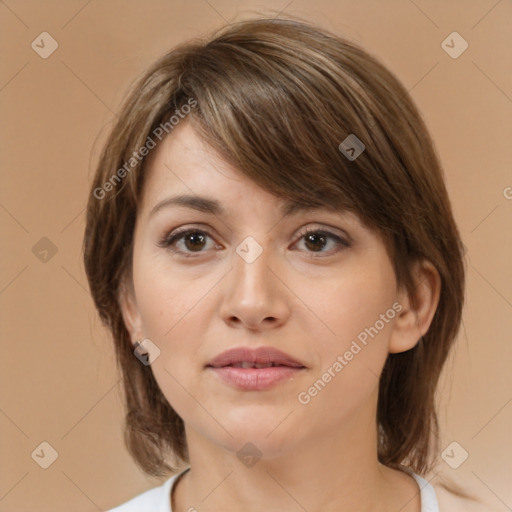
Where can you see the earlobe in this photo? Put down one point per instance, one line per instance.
(418, 308)
(130, 311)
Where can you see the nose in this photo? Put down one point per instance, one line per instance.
(254, 297)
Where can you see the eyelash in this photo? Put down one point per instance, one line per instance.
(169, 240)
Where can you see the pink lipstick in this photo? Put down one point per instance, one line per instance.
(255, 369)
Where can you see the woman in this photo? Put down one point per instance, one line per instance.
(271, 243)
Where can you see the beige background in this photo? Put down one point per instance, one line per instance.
(58, 380)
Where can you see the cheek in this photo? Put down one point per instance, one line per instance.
(165, 297)
(176, 309)
(172, 310)
(357, 308)
(354, 302)
(173, 317)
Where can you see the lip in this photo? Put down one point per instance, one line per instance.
(260, 355)
(255, 379)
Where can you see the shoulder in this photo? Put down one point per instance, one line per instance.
(458, 495)
(143, 502)
(154, 500)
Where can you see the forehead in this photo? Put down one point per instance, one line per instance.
(185, 171)
(185, 164)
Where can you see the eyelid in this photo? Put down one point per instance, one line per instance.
(331, 230)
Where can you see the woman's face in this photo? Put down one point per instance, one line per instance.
(247, 277)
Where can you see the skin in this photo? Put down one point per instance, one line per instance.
(310, 300)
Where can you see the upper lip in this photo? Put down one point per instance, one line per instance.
(260, 355)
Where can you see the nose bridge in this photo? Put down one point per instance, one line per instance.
(251, 280)
(254, 297)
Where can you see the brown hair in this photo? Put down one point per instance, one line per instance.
(276, 98)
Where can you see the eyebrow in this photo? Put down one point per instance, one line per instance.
(212, 206)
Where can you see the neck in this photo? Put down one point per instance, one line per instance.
(331, 471)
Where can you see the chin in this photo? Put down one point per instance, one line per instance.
(266, 431)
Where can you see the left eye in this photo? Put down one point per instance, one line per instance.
(194, 241)
(318, 238)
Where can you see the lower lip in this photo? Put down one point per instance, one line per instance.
(255, 379)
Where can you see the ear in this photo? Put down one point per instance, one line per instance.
(418, 308)
(131, 315)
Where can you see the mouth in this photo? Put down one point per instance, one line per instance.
(261, 357)
(255, 369)
(248, 364)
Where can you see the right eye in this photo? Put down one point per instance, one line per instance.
(192, 241)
